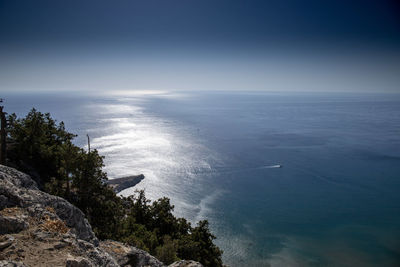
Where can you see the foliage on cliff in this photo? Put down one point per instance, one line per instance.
(42, 147)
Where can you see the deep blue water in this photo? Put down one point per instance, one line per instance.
(334, 202)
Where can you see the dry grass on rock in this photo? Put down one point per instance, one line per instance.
(54, 225)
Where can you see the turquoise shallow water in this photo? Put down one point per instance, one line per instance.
(334, 202)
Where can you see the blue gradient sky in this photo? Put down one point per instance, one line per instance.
(285, 45)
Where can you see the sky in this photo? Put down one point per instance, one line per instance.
(279, 45)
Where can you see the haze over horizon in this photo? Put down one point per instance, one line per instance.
(200, 45)
(276, 121)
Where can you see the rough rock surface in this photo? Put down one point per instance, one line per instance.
(11, 264)
(128, 255)
(185, 263)
(78, 262)
(38, 229)
(12, 224)
(18, 189)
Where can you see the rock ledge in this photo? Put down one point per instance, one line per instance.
(38, 229)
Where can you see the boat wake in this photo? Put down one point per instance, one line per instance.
(271, 166)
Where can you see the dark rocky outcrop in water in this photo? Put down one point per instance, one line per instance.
(38, 229)
(119, 184)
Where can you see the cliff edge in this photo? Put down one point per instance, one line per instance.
(39, 229)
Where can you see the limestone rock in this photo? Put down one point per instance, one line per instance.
(129, 256)
(78, 262)
(98, 256)
(6, 241)
(12, 264)
(18, 189)
(55, 227)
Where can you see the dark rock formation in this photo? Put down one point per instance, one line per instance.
(11, 224)
(119, 184)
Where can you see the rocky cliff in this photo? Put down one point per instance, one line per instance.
(119, 184)
(38, 229)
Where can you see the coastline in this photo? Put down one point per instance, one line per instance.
(119, 184)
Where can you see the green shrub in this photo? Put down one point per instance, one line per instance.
(167, 252)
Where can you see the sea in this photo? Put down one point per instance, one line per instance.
(285, 179)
